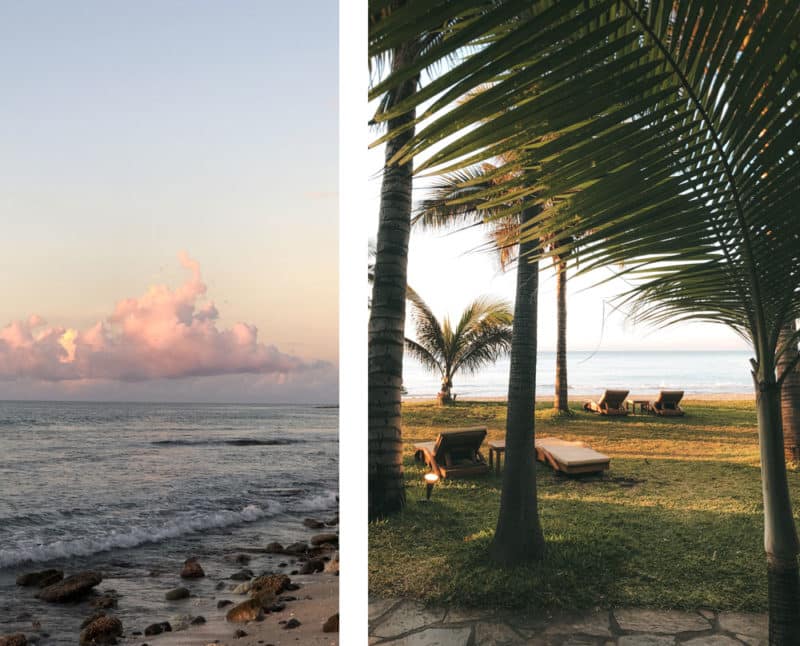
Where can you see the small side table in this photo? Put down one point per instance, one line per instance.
(496, 449)
(643, 404)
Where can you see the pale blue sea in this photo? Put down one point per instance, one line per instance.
(641, 372)
(134, 489)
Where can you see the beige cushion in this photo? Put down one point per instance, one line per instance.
(571, 454)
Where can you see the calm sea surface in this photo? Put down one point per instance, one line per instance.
(134, 489)
(697, 373)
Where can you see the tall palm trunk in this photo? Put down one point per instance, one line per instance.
(387, 317)
(518, 536)
(561, 402)
(780, 535)
(790, 397)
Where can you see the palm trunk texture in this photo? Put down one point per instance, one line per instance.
(518, 536)
(562, 401)
(387, 320)
(780, 535)
(790, 397)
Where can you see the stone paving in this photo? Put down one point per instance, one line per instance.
(396, 622)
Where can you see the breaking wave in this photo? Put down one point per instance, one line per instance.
(133, 537)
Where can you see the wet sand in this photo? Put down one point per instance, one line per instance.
(323, 590)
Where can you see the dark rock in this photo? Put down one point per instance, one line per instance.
(242, 575)
(274, 548)
(296, 548)
(272, 583)
(103, 630)
(249, 610)
(313, 524)
(277, 607)
(283, 564)
(41, 578)
(320, 539)
(292, 587)
(292, 623)
(105, 601)
(89, 620)
(157, 629)
(312, 566)
(239, 634)
(287, 598)
(293, 572)
(331, 624)
(17, 639)
(177, 594)
(332, 522)
(191, 569)
(222, 603)
(220, 585)
(198, 620)
(71, 588)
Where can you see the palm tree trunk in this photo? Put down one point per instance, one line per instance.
(780, 535)
(518, 536)
(562, 402)
(446, 393)
(790, 397)
(387, 319)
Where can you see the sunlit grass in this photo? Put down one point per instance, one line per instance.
(676, 522)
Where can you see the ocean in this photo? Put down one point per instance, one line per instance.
(641, 372)
(132, 490)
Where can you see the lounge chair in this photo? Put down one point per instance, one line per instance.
(570, 457)
(668, 403)
(611, 403)
(454, 454)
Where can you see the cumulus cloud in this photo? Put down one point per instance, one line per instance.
(165, 333)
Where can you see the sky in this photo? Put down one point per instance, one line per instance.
(450, 268)
(168, 193)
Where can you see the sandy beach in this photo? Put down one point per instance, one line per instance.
(317, 601)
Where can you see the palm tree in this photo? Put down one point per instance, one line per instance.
(790, 393)
(674, 129)
(387, 313)
(450, 203)
(519, 536)
(481, 336)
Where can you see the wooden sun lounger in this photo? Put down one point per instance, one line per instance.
(570, 457)
(611, 403)
(454, 454)
(668, 403)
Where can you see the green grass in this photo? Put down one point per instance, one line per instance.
(675, 523)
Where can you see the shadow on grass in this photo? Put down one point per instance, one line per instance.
(598, 554)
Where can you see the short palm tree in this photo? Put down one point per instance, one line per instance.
(481, 336)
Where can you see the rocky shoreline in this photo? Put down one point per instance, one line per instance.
(238, 609)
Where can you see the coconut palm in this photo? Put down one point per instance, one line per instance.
(481, 336)
(674, 133)
(387, 312)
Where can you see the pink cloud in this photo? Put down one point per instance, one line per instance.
(165, 333)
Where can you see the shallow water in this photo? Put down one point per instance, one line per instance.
(134, 489)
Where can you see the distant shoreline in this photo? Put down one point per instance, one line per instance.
(580, 398)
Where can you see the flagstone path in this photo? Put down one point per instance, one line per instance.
(395, 622)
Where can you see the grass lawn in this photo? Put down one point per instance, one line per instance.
(675, 523)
